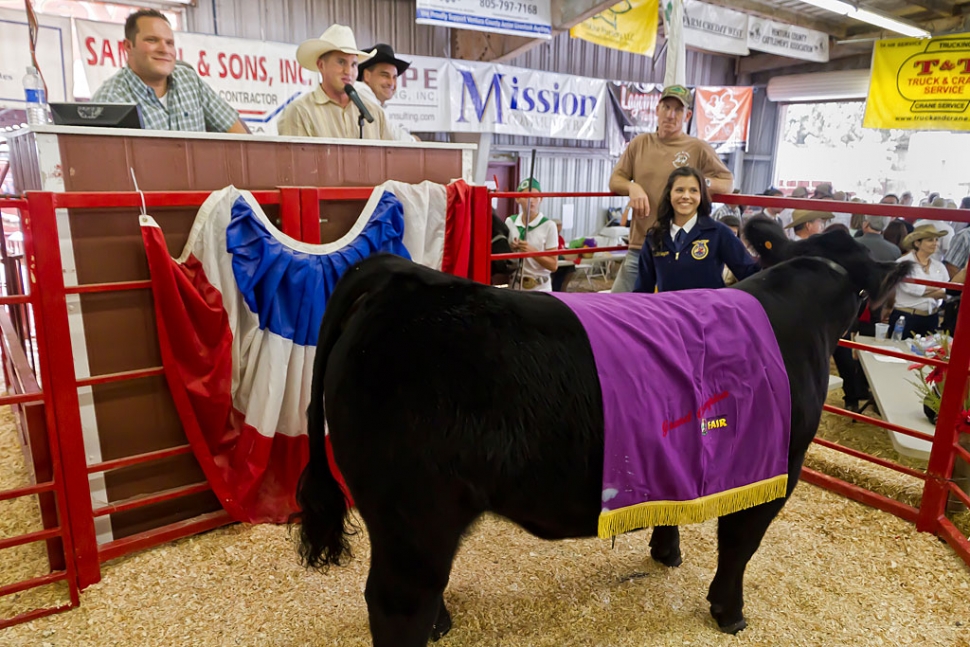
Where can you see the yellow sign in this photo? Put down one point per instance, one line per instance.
(920, 84)
(630, 25)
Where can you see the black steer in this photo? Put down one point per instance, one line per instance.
(434, 418)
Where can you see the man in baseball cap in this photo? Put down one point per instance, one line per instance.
(328, 111)
(647, 163)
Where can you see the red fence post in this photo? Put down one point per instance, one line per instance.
(60, 381)
(290, 223)
(942, 454)
(481, 235)
(309, 216)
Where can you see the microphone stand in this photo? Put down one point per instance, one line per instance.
(360, 123)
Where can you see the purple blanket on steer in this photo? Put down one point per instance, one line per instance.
(696, 405)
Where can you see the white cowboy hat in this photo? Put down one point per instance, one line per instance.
(336, 38)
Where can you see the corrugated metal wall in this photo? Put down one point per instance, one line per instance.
(762, 138)
(293, 21)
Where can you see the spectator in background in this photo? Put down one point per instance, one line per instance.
(646, 164)
(946, 241)
(894, 232)
(906, 199)
(799, 192)
(564, 273)
(872, 239)
(530, 231)
(920, 304)
(729, 209)
(377, 82)
(807, 223)
(857, 220)
(823, 191)
(889, 198)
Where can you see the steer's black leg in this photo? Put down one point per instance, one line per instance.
(411, 555)
(738, 537)
(665, 545)
(443, 624)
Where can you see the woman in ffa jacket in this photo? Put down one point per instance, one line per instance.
(686, 248)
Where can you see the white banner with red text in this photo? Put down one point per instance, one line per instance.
(257, 78)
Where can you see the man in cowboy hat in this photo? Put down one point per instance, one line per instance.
(647, 163)
(824, 192)
(807, 223)
(377, 82)
(799, 192)
(918, 303)
(327, 111)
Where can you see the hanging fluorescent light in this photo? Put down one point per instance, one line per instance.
(873, 18)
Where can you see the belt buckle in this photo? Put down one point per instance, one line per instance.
(529, 283)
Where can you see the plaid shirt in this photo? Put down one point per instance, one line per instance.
(190, 104)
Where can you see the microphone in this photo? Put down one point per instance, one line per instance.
(352, 93)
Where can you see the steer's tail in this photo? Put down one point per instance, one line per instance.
(324, 529)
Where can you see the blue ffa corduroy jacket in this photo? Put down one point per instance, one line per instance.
(709, 246)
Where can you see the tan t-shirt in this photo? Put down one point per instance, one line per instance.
(649, 162)
(316, 115)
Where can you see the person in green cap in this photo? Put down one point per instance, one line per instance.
(530, 231)
(646, 164)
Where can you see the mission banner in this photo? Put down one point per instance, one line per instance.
(920, 84)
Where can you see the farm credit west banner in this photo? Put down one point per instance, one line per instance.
(920, 84)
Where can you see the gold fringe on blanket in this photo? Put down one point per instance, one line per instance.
(678, 513)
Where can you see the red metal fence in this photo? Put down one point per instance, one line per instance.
(45, 392)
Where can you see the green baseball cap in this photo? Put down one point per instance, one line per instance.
(680, 93)
(529, 184)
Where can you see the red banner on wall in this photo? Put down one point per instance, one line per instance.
(723, 114)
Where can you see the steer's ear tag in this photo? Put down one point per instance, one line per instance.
(768, 245)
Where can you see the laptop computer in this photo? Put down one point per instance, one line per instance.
(103, 115)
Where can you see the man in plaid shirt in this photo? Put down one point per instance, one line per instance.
(170, 94)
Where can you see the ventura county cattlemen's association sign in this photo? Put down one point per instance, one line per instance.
(920, 84)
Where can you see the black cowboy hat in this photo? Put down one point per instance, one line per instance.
(383, 53)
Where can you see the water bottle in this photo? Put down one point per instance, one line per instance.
(36, 98)
(898, 329)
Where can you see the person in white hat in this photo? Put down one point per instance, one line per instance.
(328, 111)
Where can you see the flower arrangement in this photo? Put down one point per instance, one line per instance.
(931, 382)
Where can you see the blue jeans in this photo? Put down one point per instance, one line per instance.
(626, 277)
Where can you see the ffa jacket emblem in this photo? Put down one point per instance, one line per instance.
(699, 251)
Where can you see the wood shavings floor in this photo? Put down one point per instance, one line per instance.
(830, 572)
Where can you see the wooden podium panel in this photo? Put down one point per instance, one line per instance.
(115, 331)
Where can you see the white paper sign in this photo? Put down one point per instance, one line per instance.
(53, 56)
(787, 40)
(715, 29)
(568, 215)
(257, 78)
(516, 101)
(516, 17)
(419, 104)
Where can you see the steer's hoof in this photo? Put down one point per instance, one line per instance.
(441, 626)
(671, 559)
(734, 627)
